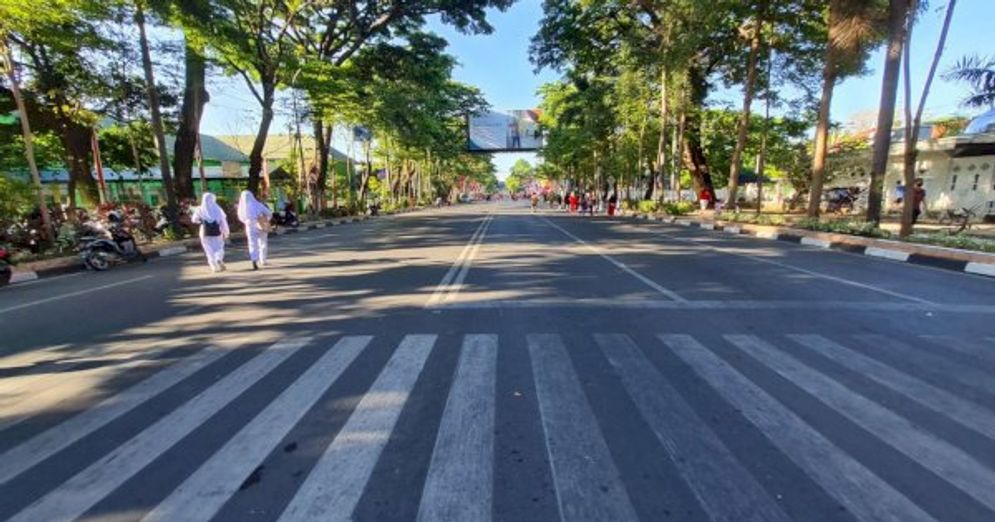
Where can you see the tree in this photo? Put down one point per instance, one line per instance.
(852, 29)
(912, 124)
(748, 91)
(195, 97)
(980, 74)
(10, 69)
(158, 129)
(899, 12)
(331, 33)
(57, 44)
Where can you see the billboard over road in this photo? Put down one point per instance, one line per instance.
(509, 131)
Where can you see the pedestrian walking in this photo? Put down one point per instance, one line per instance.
(573, 201)
(704, 198)
(918, 200)
(255, 216)
(213, 230)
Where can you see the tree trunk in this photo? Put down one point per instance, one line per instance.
(822, 135)
(194, 97)
(157, 127)
(912, 135)
(75, 139)
(29, 150)
(694, 153)
(330, 166)
(258, 146)
(675, 176)
(322, 157)
(661, 159)
(744, 117)
(898, 14)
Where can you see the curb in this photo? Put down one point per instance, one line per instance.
(964, 261)
(70, 264)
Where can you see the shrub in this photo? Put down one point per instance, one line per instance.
(844, 226)
(648, 206)
(679, 208)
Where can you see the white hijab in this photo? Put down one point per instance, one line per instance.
(209, 210)
(249, 209)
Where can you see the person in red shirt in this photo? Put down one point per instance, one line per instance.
(574, 201)
(704, 198)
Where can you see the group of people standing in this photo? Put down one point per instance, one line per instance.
(587, 203)
(255, 216)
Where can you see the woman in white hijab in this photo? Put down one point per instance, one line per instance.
(255, 216)
(213, 231)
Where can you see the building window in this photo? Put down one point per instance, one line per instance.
(953, 183)
(976, 178)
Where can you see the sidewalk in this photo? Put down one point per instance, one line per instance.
(63, 265)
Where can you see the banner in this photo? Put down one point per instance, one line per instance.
(510, 131)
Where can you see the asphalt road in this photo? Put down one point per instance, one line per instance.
(486, 363)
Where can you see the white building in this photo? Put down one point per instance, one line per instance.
(957, 171)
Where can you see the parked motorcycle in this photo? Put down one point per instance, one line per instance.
(6, 271)
(286, 218)
(101, 248)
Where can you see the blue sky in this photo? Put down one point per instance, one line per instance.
(498, 64)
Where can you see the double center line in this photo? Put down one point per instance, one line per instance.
(452, 282)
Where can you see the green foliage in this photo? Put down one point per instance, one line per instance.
(843, 226)
(116, 146)
(17, 197)
(48, 150)
(679, 208)
(774, 220)
(649, 206)
(979, 73)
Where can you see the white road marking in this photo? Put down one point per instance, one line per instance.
(732, 304)
(204, 492)
(645, 280)
(81, 492)
(336, 483)
(588, 487)
(723, 487)
(801, 270)
(42, 446)
(941, 401)
(73, 294)
(863, 493)
(457, 284)
(978, 348)
(935, 454)
(459, 483)
(445, 286)
(970, 376)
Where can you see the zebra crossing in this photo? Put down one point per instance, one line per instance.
(847, 415)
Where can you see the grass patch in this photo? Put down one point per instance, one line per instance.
(844, 226)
